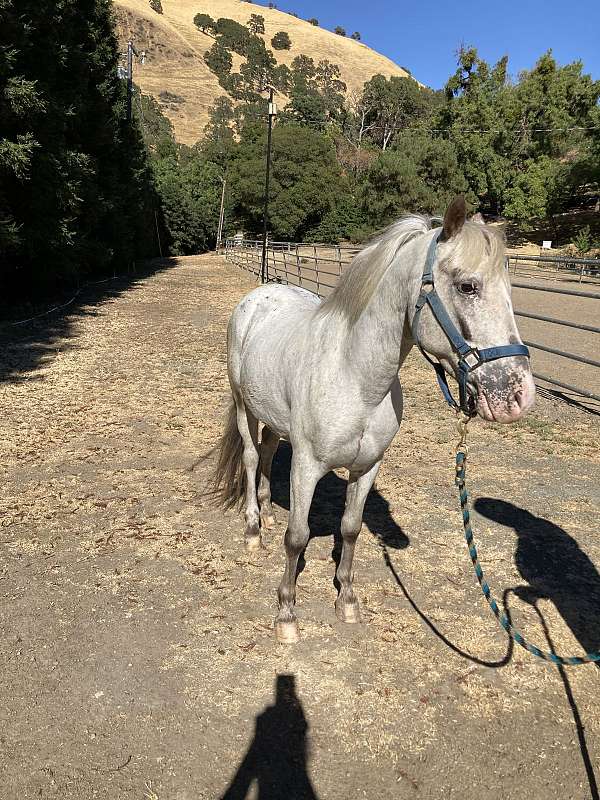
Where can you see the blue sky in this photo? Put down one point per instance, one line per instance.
(424, 36)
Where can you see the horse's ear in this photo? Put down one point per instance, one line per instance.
(455, 217)
(478, 218)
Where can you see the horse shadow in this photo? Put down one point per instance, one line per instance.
(554, 568)
(328, 505)
(277, 758)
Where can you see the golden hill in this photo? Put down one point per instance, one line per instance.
(175, 72)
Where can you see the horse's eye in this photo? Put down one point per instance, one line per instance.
(467, 287)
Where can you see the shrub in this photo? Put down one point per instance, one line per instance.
(156, 5)
(339, 30)
(313, 21)
(281, 41)
(583, 240)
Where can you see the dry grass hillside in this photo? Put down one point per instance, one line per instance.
(175, 72)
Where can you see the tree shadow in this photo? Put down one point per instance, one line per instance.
(328, 505)
(277, 758)
(554, 567)
(23, 347)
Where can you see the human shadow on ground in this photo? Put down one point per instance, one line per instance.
(328, 505)
(554, 567)
(277, 759)
(23, 347)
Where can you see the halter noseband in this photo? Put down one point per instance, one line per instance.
(470, 358)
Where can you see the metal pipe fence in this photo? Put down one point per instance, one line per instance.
(317, 267)
(584, 270)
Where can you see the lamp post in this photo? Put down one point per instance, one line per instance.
(272, 112)
(221, 216)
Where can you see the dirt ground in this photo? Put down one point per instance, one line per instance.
(137, 657)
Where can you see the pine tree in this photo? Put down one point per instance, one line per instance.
(76, 185)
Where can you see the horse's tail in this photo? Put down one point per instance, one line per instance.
(229, 476)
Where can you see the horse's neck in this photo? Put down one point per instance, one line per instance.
(380, 340)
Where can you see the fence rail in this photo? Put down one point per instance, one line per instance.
(317, 267)
(584, 270)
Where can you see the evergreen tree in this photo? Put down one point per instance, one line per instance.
(77, 194)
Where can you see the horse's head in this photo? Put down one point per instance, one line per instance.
(473, 284)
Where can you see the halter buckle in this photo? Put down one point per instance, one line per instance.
(475, 358)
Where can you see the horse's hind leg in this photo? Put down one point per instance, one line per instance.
(248, 428)
(346, 605)
(305, 474)
(268, 447)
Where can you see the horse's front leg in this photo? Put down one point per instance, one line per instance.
(346, 605)
(305, 474)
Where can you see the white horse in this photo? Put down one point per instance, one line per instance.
(324, 377)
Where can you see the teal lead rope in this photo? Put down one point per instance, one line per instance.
(461, 469)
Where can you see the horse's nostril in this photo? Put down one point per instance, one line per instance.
(519, 399)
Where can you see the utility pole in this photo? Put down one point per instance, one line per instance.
(221, 216)
(131, 52)
(272, 112)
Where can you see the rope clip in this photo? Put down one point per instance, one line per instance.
(461, 424)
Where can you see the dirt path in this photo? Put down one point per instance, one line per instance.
(137, 656)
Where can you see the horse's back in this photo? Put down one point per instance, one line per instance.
(275, 299)
(269, 308)
(266, 330)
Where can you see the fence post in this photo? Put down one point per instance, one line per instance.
(298, 267)
(339, 255)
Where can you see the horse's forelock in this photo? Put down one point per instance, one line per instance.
(477, 249)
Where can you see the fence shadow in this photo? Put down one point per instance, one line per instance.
(328, 505)
(277, 759)
(585, 404)
(554, 567)
(24, 347)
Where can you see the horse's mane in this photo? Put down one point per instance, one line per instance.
(359, 282)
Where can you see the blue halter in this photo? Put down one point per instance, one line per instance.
(470, 357)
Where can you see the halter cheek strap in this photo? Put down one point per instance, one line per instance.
(470, 358)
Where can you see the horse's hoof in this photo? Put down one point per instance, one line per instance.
(287, 632)
(347, 612)
(267, 521)
(253, 544)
